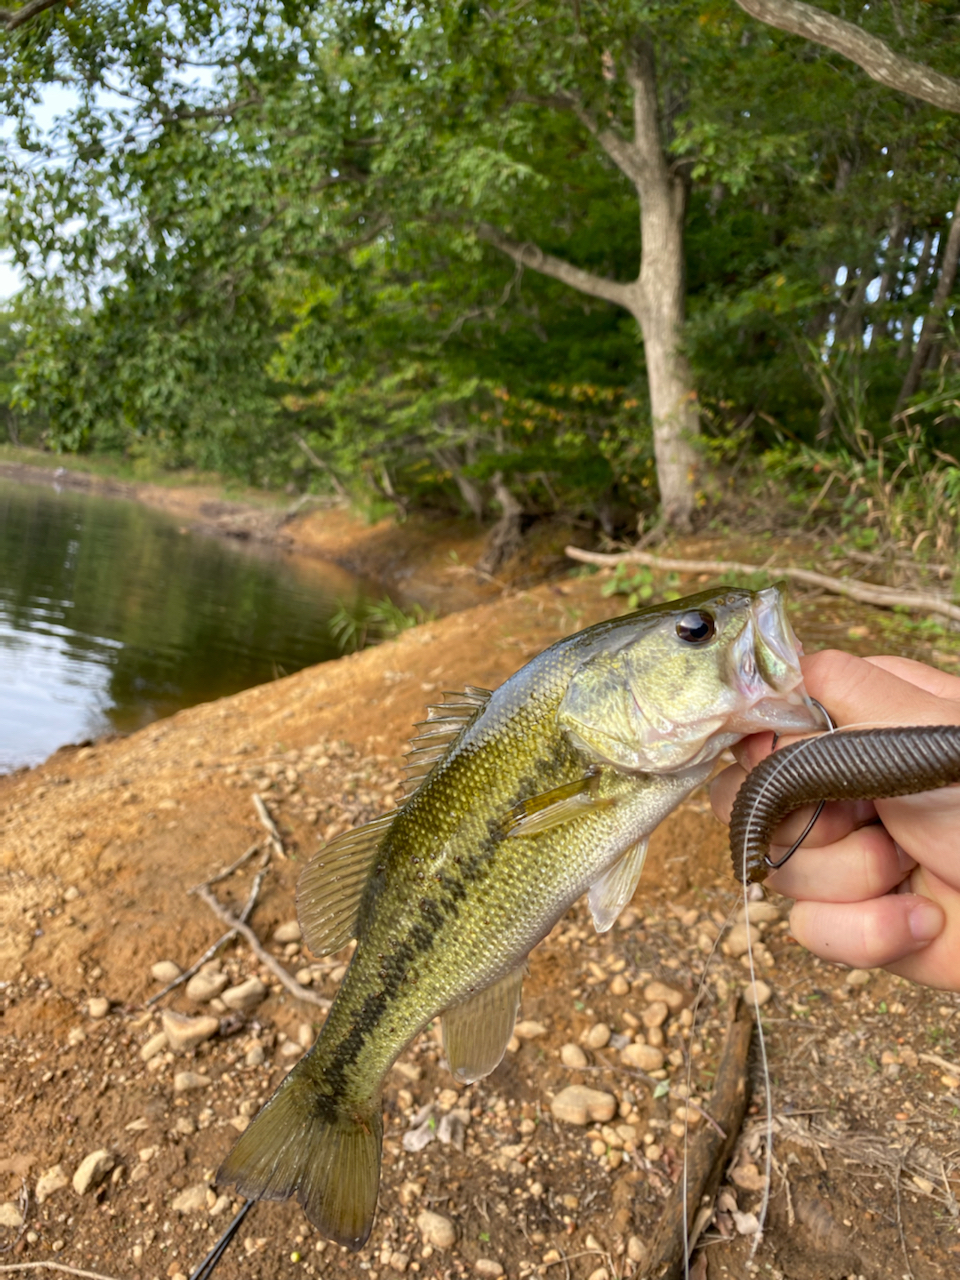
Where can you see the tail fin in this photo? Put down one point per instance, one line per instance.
(300, 1144)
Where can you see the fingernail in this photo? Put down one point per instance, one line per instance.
(905, 862)
(925, 921)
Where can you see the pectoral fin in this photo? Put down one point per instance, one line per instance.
(476, 1032)
(552, 808)
(611, 893)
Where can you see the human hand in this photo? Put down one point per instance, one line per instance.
(876, 883)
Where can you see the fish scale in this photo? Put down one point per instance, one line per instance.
(536, 793)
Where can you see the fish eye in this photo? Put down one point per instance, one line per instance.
(696, 627)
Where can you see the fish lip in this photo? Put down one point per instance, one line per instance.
(780, 704)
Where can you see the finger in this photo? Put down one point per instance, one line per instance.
(919, 674)
(864, 864)
(866, 935)
(836, 821)
(856, 692)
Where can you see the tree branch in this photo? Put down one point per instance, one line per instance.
(13, 18)
(531, 255)
(876, 58)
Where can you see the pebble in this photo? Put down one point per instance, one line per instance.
(489, 1267)
(255, 1056)
(655, 1014)
(673, 999)
(399, 1261)
(858, 977)
(436, 1230)
(98, 1006)
(71, 893)
(92, 1170)
(205, 986)
(156, 1044)
(244, 996)
(645, 1057)
(619, 986)
(529, 1030)
(165, 970)
(578, 1105)
(740, 939)
(10, 1215)
(571, 1055)
(757, 993)
(184, 1081)
(598, 1036)
(192, 1200)
(184, 1033)
(287, 932)
(636, 1249)
(601, 1273)
(762, 912)
(53, 1180)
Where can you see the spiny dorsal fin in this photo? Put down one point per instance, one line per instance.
(332, 883)
(611, 893)
(476, 1032)
(444, 725)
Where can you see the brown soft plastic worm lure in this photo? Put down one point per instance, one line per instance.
(864, 764)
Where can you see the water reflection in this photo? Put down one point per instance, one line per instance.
(111, 615)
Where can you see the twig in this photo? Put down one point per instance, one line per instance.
(54, 1266)
(937, 1061)
(234, 866)
(883, 597)
(263, 813)
(264, 956)
(222, 940)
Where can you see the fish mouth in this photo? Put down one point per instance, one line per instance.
(766, 671)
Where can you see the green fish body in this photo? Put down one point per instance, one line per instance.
(530, 797)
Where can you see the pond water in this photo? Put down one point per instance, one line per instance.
(112, 615)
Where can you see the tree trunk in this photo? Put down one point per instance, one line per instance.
(930, 334)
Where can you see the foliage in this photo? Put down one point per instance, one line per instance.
(361, 622)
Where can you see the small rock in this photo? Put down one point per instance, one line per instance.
(747, 1224)
(247, 995)
(757, 993)
(184, 1125)
(740, 939)
(655, 1014)
(255, 1056)
(184, 1033)
(288, 932)
(578, 1105)
(185, 1081)
(571, 1055)
(636, 1249)
(858, 977)
(690, 917)
(529, 1030)
(673, 999)
(619, 986)
(165, 971)
(488, 1267)
(75, 1036)
(598, 1036)
(408, 1070)
(399, 1261)
(92, 1171)
(98, 1006)
(601, 1273)
(71, 893)
(10, 1215)
(762, 912)
(435, 1229)
(409, 1191)
(748, 1177)
(192, 1200)
(645, 1057)
(205, 986)
(156, 1044)
(53, 1180)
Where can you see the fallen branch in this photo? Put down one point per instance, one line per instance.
(263, 813)
(865, 593)
(54, 1266)
(223, 939)
(952, 1067)
(234, 866)
(258, 949)
(707, 1157)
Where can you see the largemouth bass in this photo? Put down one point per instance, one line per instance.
(528, 798)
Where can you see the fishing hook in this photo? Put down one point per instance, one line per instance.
(774, 866)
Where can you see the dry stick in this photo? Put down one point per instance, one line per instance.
(234, 866)
(707, 1155)
(222, 940)
(271, 827)
(264, 956)
(54, 1266)
(865, 593)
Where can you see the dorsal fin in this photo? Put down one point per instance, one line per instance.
(332, 883)
(443, 727)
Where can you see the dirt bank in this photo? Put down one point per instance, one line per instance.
(99, 848)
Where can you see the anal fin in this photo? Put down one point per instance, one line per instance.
(611, 893)
(477, 1031)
